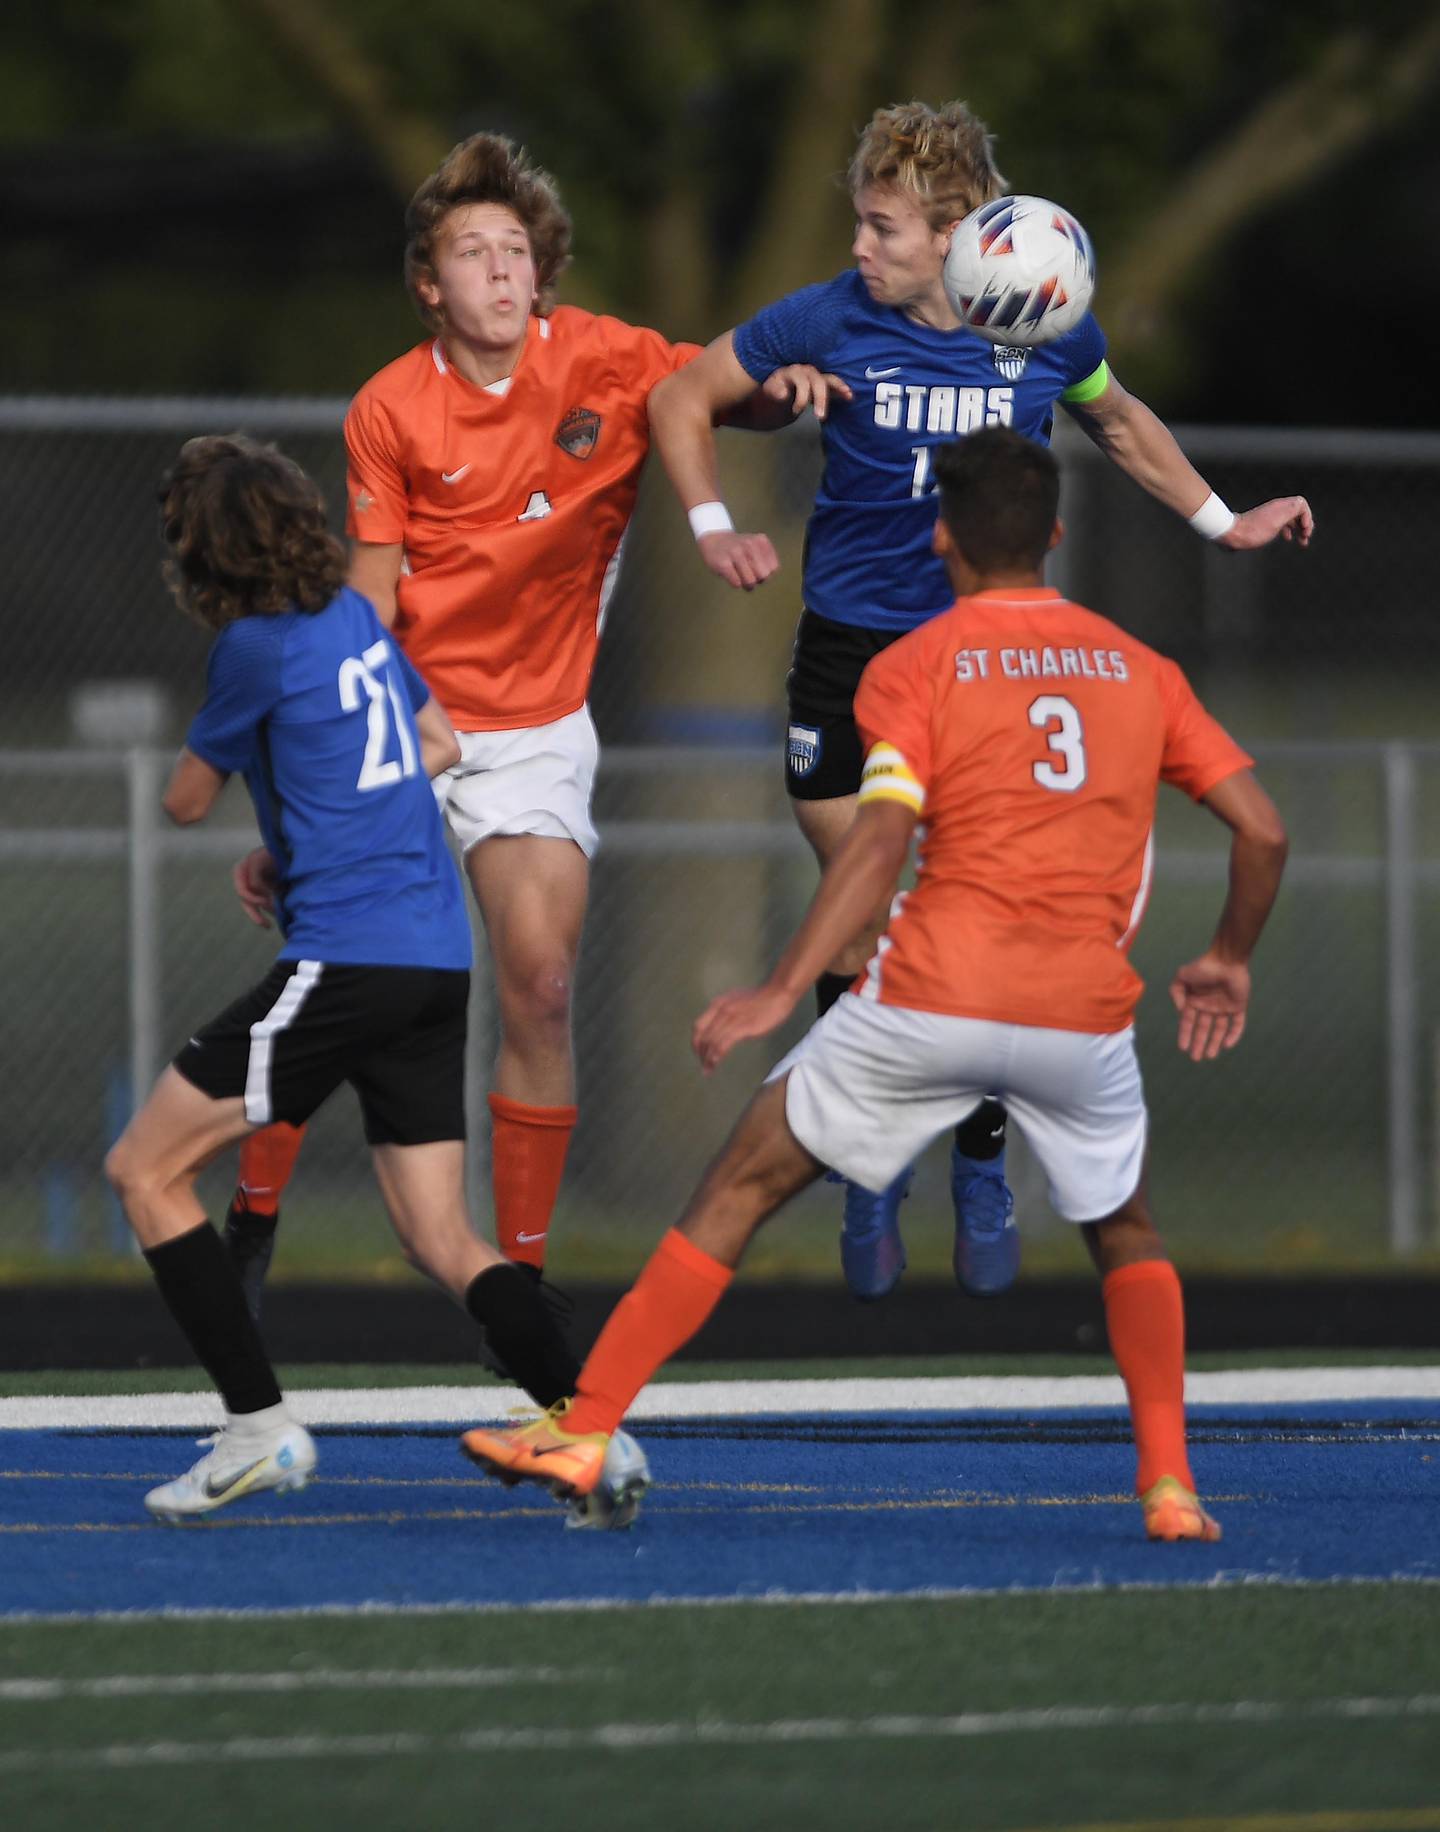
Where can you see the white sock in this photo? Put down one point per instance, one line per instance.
(241, 1426)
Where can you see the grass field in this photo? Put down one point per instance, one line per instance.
(870, 1612)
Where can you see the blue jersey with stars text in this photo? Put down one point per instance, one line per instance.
(867, 546)
(318, 711)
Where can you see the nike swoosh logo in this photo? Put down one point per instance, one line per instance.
(529, 1237)
(214, 1490)
(878, 375)
(550, 1450)
(454, 476)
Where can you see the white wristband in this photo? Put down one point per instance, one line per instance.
(710, 518)
(1213, 518)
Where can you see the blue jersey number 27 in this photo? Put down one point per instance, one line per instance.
(367, 674)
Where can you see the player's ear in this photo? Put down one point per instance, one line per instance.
(942, 542)
(1057, 534)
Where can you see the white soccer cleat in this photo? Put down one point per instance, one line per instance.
(238, 1462)
(615, 1500)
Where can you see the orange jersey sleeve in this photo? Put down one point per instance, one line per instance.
(512, 504)
(376, 495)
(1199, 752)
(1036, 735)
(894, 706)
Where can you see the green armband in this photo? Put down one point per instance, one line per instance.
(1090, 387)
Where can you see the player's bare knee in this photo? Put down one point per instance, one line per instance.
(1126, 1237)
(121, 1168)
(539, 1000)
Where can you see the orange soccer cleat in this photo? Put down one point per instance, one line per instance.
(1172, 1512)
(544, 1451)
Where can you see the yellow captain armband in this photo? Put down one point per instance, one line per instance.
(1094, 384)
(887, 777)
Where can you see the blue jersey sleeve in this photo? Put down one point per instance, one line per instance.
(414, 681)
(1084, 349)
(242, 687)
(802, 327)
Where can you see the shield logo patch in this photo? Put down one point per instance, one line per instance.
(803, 749)
(578, 432)
(1010, 361)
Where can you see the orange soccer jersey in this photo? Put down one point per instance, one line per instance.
(511, 503)
(1032, 736)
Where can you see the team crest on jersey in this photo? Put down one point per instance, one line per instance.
(578, 432)
(1010, 361)
(803, 749)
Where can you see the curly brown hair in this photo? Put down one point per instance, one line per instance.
(945, 158)
(246, 531)
(488, 169)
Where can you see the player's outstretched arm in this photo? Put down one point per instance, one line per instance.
(1212, 993)
(1140, 442)
(684, 409)
(862, 869)
(785, 394)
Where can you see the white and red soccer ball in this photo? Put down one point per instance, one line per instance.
(1020, 271)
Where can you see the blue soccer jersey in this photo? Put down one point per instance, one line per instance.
(318, 711)
(867, 547)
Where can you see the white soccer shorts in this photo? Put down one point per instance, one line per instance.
(537, 779)
(872, 1085)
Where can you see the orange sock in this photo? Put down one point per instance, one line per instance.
(527, 1160)
(267, 1163)
(1145, 1315)
(674, 1294)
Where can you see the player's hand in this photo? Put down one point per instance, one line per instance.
(1212, 997)
(1288, 517)
(802, 387)
(742, 560)
(256, 878)
(736, 1017)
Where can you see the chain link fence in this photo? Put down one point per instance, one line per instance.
(1314, 1144)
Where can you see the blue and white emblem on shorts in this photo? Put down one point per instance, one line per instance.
(804, 749)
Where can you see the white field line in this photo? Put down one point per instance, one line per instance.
(318, 1679)
(760, 1599)
(626, 1739)
(732, 1398)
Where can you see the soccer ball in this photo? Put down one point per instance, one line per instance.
(1020, 271)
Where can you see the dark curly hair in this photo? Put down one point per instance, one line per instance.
(488, 169)
(246, 531)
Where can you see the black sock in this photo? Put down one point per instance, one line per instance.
(512, 1311)
(202, 1292)
(249, 1225)
(829, 987)
(981, 1134)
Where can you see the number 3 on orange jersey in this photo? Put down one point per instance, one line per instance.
(1066, 740)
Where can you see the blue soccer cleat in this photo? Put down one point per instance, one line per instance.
(871, 1250)
(987, 1241)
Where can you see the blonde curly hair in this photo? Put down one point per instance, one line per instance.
(944, 157)
(487, 169)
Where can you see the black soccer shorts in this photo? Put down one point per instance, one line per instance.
(823, 757)
(396, 1034)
